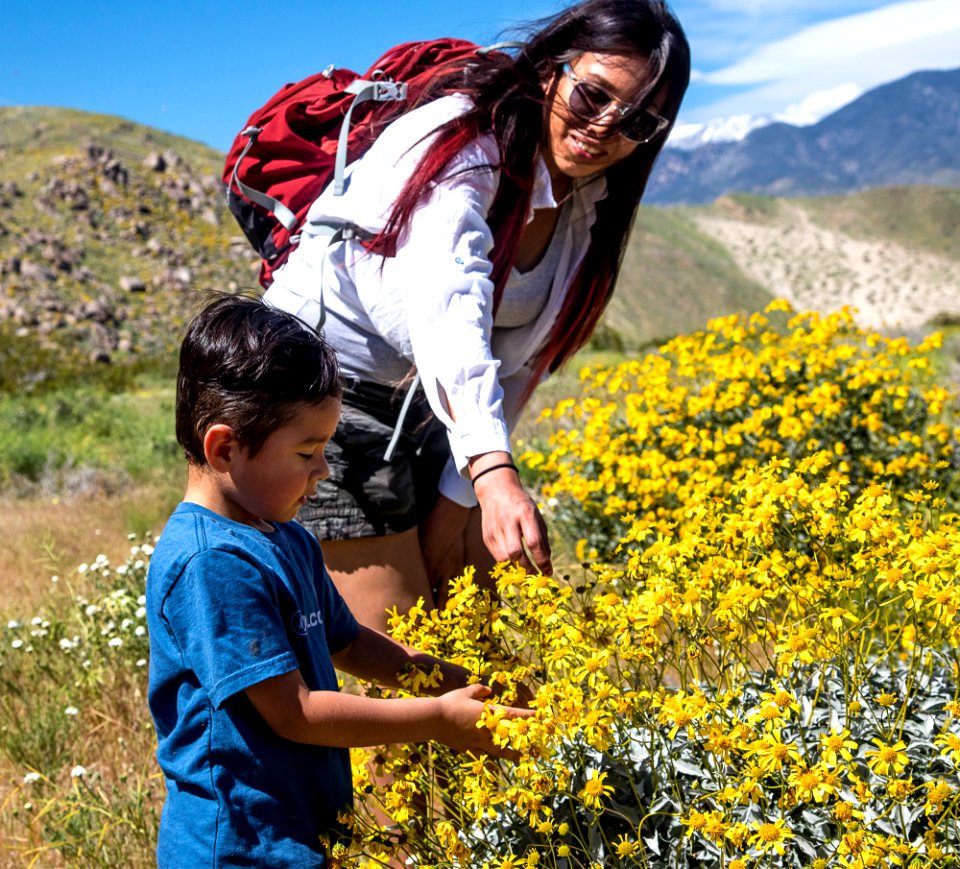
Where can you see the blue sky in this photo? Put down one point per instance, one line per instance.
(199, 68)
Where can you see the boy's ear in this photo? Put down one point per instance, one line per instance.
(220, 446)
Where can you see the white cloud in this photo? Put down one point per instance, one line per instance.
(819, 104)
(862, 50)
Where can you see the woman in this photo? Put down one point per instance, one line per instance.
(492, 220)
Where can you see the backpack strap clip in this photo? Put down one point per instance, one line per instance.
(379, 90)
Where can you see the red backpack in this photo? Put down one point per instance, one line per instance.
(306, 134)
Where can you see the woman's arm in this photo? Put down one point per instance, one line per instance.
(513, 529)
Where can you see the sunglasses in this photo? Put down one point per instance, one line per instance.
(589, 102)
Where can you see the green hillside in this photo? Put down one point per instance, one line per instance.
(673, 279)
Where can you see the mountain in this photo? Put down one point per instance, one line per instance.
(809, 111)
(906, 132)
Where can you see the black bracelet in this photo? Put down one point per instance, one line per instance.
(493, 468)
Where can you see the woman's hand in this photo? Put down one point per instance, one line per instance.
(513, 529)
(442, 545)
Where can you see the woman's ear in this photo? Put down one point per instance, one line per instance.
(220, 446)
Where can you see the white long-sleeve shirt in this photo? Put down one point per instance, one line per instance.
(432, 303)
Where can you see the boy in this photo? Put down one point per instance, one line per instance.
(246, 626)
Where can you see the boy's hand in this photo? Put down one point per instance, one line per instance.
(524, 694)
(460, 710)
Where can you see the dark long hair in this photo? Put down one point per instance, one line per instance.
(508, 97)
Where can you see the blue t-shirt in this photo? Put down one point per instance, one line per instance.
(229, 606)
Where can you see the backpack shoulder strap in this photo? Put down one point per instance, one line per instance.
(380, 91)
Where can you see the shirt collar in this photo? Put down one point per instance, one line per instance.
(591, 189)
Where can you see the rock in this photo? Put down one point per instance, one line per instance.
(155, 162)
(35, 272)
(132, 284)
(96, 310)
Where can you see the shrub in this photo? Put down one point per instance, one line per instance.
(649, 436)
(721, 699)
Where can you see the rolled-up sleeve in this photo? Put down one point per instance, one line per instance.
(444, 266)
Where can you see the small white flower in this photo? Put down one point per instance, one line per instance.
(102, 559)
(31, 777)
(78, 771)
(66, 644)
(83, 568)
(17, 644)
(141, 612)
(71, 710)
(142, 600)
(13, 624)
(116, 642)
(36, 620)
(92, 609)
(141, 662)
(122, 569)
(140, 631)
(125, 624)
(139, 564)
(147, 549)
(54, 578)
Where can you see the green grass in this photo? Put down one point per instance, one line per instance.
(673, 279)
(65, 437)
(919, 218)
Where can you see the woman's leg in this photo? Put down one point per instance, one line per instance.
(374, 574)
(475, 550)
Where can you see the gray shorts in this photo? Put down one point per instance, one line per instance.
(366, 496)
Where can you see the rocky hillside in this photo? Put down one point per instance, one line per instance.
(110, 234)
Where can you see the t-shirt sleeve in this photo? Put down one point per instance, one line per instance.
(225, 617)
(340, 624)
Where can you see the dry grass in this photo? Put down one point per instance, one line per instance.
(42, 537)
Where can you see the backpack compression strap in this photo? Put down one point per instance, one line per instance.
(379, 90)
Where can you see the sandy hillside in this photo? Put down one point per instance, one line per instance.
(892, 287)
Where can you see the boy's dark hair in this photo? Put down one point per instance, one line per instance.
(250, 366)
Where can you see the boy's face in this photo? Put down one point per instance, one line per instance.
(274, 484)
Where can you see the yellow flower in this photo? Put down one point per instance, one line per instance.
(837, 744)
(626, 848)
(595, 790)
(771, 836)
(886, 758)
(937, 792)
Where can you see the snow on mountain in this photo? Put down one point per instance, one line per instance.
(808, 111)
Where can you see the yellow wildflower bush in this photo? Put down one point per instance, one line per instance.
(692, 421)
(760, 671)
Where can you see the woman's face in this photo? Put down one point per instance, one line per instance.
(577, 147)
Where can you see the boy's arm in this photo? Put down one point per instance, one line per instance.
(343, 720)
(375, 657)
